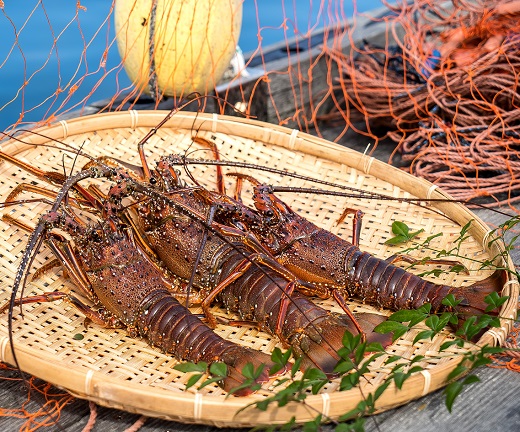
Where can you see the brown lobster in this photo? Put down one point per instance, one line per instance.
(228, 263)
(339, 268)
(129, 291)
(334, 266)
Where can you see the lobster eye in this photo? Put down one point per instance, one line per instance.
(269, 213)
(153, 180)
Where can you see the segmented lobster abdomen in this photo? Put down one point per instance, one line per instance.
(168, 325)
(385, 285)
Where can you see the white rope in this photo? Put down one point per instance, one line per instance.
(326, 404)
(367, 164)
(134, 117)
(485, 239)
(499, 337)
(510, 282)
(427, 382)
(430, 191)
(292, 139)
(88, 382)
(214, 123)
(197, 406)
(3, 349)
(65, 128)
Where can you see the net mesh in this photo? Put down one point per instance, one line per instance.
(438, 81)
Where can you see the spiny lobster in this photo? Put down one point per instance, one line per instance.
(128, 290)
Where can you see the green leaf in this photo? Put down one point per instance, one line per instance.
(210, 381)
(349, 381)
(78, 336)
(432, 322)
(494, 300)
(316, 387)
(220, 369)
(296, 366)
(392, 359)
(379, 391)
(314, 374)
(465, 228)
(457, 268)
(399, 239)
(415, 234)
(459, 370)
(450, 301)
(193, 380)
(400, 228)
(452, 391)
(359, 409)
(277, 355)
(415, 369)
(263, 404)
(405, 315)
(289, 425)
(344, 366)
(358, 425)
(446, 345)
(191, 367)
(396, 328)
(472, 379)
(400, 378)
(350, 342)
(313, 425)
(487, 349)
(430, 238)
(425, 334)
(374, 347)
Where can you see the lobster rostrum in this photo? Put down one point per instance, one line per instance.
(128, 290)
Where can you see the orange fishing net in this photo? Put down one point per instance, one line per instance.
(41, 414)
(444, 86)
(438, 79)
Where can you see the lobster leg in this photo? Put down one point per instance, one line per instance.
(27, 187)
(268, 202)
(356, 223)
(216, 155)
(239, 271)
(64, 257)
(90, 314)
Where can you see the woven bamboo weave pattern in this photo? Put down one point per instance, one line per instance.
(112, 369)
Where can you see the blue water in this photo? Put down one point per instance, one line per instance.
(79, 60)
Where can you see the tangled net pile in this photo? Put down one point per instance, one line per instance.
(446, 89)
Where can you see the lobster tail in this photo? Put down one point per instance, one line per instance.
(473, 296)
(236, 359)
(170, 326)
(320, 342)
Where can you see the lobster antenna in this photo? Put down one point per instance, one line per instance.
(33, 245)
(356, 193)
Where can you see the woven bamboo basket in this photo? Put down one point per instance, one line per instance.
(114, 370)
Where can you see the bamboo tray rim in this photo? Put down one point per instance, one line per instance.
(199, 408)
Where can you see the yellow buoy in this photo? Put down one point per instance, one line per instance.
(176, 47)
